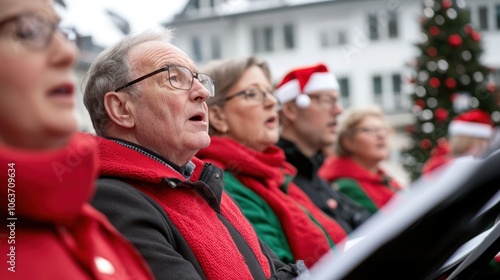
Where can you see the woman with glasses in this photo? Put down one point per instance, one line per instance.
(244, 129)
(49, 230)
(362, 144)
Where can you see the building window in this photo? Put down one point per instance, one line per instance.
(330, 38)
(196, 46)
(289, 36)
(497, 10)
(216, 47)
(195, 4)
(373, 26)
(377, 85)
(268, 39)
(342, 36)
(496, 77)
(344, 91)
(396, 89)
(396, 83)
(483, 18)
(324, 39)
(263, 39)
(393, 25)
(377, 89)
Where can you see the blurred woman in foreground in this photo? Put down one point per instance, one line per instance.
(361, 146)
(47, 171)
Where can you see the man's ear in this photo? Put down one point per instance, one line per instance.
(290, 111)
(217, 119)
(120, 108)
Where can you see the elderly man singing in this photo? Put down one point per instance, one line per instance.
(147, 103)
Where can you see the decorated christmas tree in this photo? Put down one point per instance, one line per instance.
(449, 78)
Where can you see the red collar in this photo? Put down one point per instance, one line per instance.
(51, 185)
(117, 160)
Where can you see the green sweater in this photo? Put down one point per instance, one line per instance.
(261, 216)
(352, 189)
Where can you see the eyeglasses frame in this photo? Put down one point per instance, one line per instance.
(167, 69)
(245, 91)
(54, 26)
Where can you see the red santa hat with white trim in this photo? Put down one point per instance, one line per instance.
(301, 82)
(474, 123)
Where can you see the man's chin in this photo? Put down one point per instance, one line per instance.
(328, 141)
(202, 140)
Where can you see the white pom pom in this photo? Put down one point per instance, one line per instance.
(303, 101)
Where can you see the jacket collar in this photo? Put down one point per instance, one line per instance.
(307, 167)
(185, 170)
(123, 159)
(136, 164)
(51, 186)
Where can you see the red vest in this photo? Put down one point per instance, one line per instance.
(198, 223)
(372, 184)
(265, 174)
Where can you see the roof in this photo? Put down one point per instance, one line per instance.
(237, 8)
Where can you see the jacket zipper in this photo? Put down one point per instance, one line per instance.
(146, 154)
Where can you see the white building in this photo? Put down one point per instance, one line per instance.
(88, 51)
(368, 44)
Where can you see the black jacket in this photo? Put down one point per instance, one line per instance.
(145, 223)
(348, 214)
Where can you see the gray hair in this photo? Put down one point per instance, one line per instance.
(350, 121)
(111, 69)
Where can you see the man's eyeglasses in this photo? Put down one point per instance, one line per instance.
(179, 77)
(325, 100)
(34, 31)
(254, 95)
(374, 130)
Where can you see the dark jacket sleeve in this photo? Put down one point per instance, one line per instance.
(144, 223)
(281, 271)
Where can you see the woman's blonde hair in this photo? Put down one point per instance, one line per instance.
(349, 121)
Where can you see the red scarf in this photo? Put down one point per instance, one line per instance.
(264, 173)
(372, 184)
(198, 223)
(51, 193)
(440, 156)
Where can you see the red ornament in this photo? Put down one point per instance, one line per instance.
(412, 80)
(453, 97)
(410, 128)
(468, 28)
(476, 36)
(455, 40)
(434, 82)
(450, 83)
(491, 87)
(426, 144)
(434, 30)
(432, 52)
(447, 4)
(420, 103)
(441, 114)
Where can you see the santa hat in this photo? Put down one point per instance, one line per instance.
(300, 82)
(475, 123)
